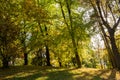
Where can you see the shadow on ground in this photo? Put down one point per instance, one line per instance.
(97, 75)
(50, 73)
(47, 73)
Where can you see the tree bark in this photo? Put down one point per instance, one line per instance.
(5, 62)
(76, 52)
(109, 50)
(25, 59)
(48, 56)
(59, 61)
(114, 48)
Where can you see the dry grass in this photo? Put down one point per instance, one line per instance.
(50, 73)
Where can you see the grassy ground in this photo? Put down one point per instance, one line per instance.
(50, 73)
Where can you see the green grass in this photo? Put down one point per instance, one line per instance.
(52, 73)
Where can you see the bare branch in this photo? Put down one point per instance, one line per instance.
(112, 13)
(63, 14)
(106, 9)
(94, 7)
(102, 29)
(104, 12)
(101, 16)
(116, 24)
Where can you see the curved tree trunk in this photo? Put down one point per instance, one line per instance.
(106, 42)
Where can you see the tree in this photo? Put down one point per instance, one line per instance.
(72, 26)
(44, 31)
(71, 29)
(107, 13)
(33, 16)
(8, 32)
(35, 13)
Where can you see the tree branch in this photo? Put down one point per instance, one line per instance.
(102, 29)
(63, 14)
(101, 16)
(104, 12)
(112, 13)
(94, 7)
(116, 24)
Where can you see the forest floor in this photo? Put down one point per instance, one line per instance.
(52, 73)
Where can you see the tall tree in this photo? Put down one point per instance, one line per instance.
(108, 17)
(71, 29)
(8, 31)
(41, 22)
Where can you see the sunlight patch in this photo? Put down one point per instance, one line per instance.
(22, 74)
(42, 78)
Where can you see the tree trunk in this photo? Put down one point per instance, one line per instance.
(76, 53)
(115, 49)
(101, 64)
(106, 42)
(78, 60)
(71, 31)
(5, 62)
(59, 61)
(25, 59)
(48, 56)
(72, 36)
(73, 61)
(60, 64)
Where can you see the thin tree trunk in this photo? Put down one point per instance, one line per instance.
(71, 31)
(5, 58)
(48, 56)
(25, 54)
(76, 53)
(25, 59)
(59, 61)
(110, 54)
(102, 66)
(73, 37)
(47, 48)
(5, 62)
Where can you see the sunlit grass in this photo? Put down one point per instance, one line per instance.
(52, 73)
